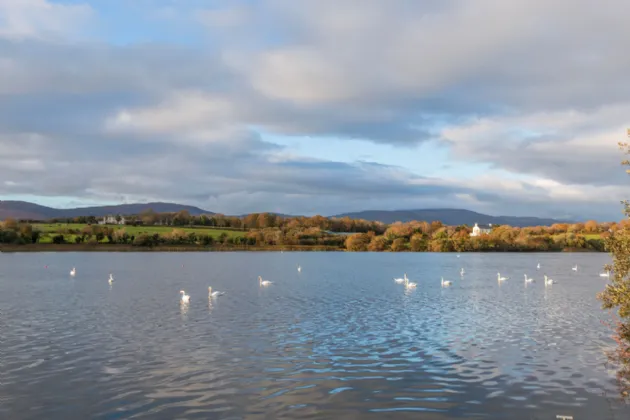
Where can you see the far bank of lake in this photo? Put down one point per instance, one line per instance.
(105, 247)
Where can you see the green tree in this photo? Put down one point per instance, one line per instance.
(617, 293)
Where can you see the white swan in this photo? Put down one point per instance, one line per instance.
(501, 278)
(462, 272)
(185, 297)
(528, 279)
(605, 274)
(538, 266)
(299, 268)
(548, 280)
(263, 282)
(574, 268)
(409, 285)
(73, 271)
(401, 280)
(111, 279)
(446, 283)
(214, 294)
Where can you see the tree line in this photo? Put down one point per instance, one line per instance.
(250, 221)
(268, 230)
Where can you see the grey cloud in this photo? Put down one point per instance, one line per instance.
(393, 72)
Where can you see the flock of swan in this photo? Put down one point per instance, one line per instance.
(445, 283)
(185, 298)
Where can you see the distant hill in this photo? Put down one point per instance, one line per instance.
(448, 217)
(26, 210)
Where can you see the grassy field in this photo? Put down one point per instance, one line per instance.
(50, 229)
(587, 236)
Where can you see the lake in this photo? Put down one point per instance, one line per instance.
(338, 340)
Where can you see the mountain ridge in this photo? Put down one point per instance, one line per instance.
(31, 211)
(449, 217)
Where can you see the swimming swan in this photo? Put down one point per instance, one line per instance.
(409, 285)
(528, 279)
(401, 280)
(263, 282)
(501, 278)
(73, 271)
(548, 280)
(446, 283)
(185, 297)
(214, 294)
(111, 279)
(606, 274)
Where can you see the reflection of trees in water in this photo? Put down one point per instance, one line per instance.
(617, 294)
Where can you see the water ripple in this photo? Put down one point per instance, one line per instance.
(338, 340)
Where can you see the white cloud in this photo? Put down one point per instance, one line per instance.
(566, 146)
(40, 18)
(181, 112)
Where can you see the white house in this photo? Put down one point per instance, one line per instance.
(111, 220)
(483, 230)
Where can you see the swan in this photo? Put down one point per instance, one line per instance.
(299, 269)
(538, 266)
(185, 297)
(575, 268)
(462, 272)
(263, 282)
(446, 283)
(548, 280)
(501, 278)
(73, 271)
(401, 280)
(214, 294)
(605, 274)
(111, 279)
(528, 279)
(409, 285)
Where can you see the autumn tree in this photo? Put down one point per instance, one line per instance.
(399, 245)
(617, 292)
(591, 226)
(358, 242)
(378, 243)
(418, 243)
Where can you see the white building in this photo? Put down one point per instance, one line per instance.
(111, 220)
(481, 230)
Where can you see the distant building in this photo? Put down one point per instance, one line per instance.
(111, 220)
(481, 230)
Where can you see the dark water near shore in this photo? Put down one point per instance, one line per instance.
(339, 340)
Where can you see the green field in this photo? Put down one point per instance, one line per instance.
(50, 229)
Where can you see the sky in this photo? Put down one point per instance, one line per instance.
(317, 106)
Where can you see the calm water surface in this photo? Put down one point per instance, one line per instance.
(339, 340)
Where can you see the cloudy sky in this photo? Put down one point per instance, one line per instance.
(317, 106)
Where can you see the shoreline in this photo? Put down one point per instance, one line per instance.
(223, 248)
